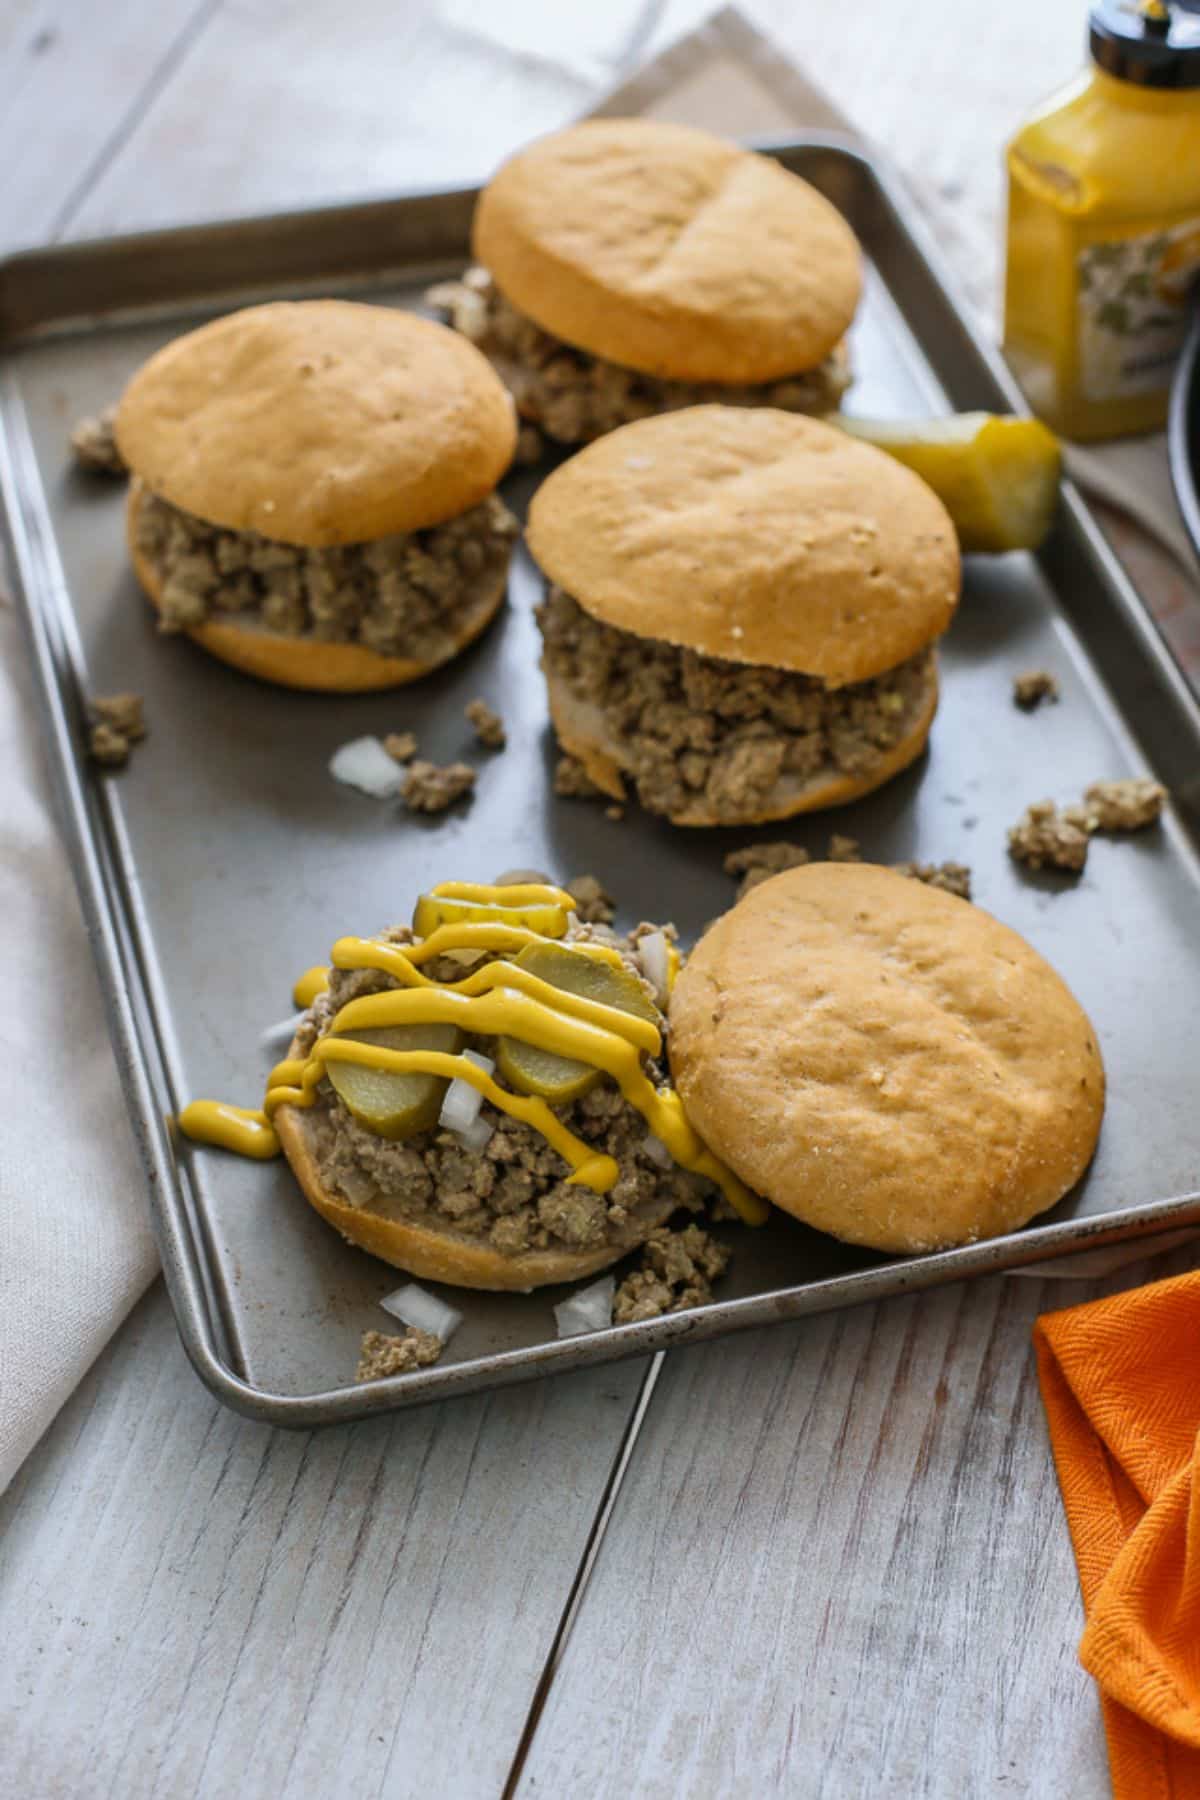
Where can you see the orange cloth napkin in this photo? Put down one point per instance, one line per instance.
(1120, 1380)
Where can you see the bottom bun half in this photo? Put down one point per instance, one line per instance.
(436, 1253)
(583, 732)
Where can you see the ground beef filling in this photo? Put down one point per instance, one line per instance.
(408, 595)
(575, 397)
(514, 1194)
(701, 734)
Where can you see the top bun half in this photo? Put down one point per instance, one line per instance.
(670, 251)
(318, 422)
(755, 536)
(885, 1061)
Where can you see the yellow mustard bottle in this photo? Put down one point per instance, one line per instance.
(1104, 225)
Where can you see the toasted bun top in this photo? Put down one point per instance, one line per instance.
(318, 422)
(670, 251)
(885, 1061)
(754, 535)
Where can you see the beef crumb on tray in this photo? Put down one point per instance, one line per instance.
(758, 862)
(94, 444)
(487, 725)
(1053, 837)
(1032, 687)
(1128, 805)
(432, 787)
(676, 1270)
(401, 746)
(117, 723)
(381, 1355)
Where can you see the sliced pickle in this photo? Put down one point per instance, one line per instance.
(394, 1105)
(559, 1079)
(997, 477)
(430, 912)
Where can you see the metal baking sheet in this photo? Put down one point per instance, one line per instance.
(224, 860)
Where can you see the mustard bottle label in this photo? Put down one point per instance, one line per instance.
(1132, 310)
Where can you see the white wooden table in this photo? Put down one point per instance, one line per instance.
(824, 1559)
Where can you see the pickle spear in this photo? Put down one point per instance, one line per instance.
(433, 910)
(394, 1105)
(996, 476)
(558, 1079)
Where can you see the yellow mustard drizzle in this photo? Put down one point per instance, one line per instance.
(499, 999)
(314, 981)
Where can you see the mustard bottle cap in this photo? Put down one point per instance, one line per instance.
(1153, 43)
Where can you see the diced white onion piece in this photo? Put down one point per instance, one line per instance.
(364, 764)
(476, 1136)
(414, 1305)
(657, 1151)
(656, 963)
(284, 1032)
(588, 1309)
(460, 1108)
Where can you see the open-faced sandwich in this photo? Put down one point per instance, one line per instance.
(742, 613)
(483, 1098)
(313, 491)
(884, 1060)
(628, 267)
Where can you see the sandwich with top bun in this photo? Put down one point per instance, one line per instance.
(742, 613)
(627, 267)
(313, 491)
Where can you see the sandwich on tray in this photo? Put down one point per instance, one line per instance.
(742, 612)
(483, 1098)
(313, 491)
(628, 267)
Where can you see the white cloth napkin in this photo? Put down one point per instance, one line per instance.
(75, 1243)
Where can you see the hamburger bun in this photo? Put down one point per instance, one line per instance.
(884, 1061)
(432, 1249)
(670, 251)
(584, 733)
(318, 422)
(753, 535)
(305, 662)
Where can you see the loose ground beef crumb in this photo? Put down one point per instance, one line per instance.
(94, 444)
(615, 813)
(401, 746)
(758, 862)
(572, 781)
(574, 396)
(117, 724)
(951, 877)
(1049, 836)
(676, 1270)
(380, 1355)
(700, 734)
(1045, 838)
(107, 747)
(488, 725)
(406, 595)
(432, 787)
(593, 906)
(1034, 686)
(1123, 805)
